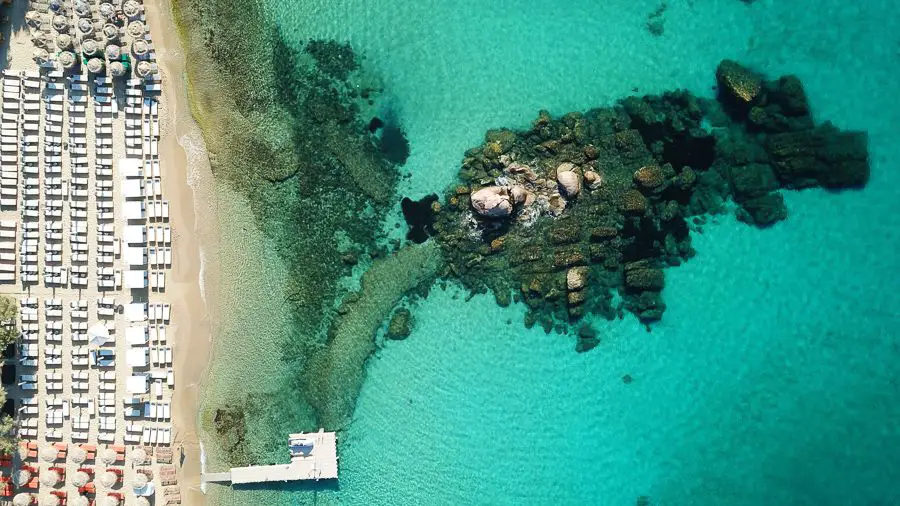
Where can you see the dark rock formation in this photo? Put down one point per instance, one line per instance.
(420, 216)
(646, 172)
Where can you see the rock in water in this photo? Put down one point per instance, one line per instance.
(492, 202)
(576, 278)
(399, 327)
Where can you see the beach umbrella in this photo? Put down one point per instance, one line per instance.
(48, 454)
(60, 23)
(140, 481)
(113, 52)
(89, 47)
(50, 500)
(142, 501)
(79, 500)
(49, 478)
(80, 479)
(107, 10)
(108, 479)
(110, 31)
(23, 499)
(22, 477)
(108, 456)
(138, 455)
(117, 69)
(77, 454)
(131, 9)
(85, 26)
(54, 5)
(95, 66)
(109, 500)
(64, 41)
(98, 334)
(140, 47)
(136, 29)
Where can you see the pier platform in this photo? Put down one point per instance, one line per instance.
(313, 457)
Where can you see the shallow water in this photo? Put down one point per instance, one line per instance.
(773, 378)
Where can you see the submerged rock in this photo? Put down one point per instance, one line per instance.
(399, 327)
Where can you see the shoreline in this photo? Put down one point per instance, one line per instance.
(193, 255)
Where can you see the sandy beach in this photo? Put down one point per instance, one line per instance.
(189, 187)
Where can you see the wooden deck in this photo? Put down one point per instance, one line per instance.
(318, 464)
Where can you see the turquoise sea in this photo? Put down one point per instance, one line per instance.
(774, 377)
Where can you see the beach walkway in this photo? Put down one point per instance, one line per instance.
(313, 457)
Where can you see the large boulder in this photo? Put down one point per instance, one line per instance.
(569, 180)
(493, 202)
(576, 278)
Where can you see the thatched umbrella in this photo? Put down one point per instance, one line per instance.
(113, 52)
(136, 29)
(111, 31)
(50, 500)
(61, 23)
(108, 479)
(40, 56)
(23, 499)
(67, 60)
(145, 68)
(78, 500)
(77, 453)
(108, 456)
(140, 47)
(48, 454)
(82, 8)
(50, 478)
(140, 481)
(131, 9)
(109, 500)
(107, 10)
(142, 501)
(85, 26)
(22, 477)
(95, 65)
(138, 455)
(64, 41)
(117, 69)
(89, 47)
(80, 479)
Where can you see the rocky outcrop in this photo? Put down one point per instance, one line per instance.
(823, 156)
(597, 204)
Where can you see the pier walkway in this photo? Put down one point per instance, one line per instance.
(313, 457)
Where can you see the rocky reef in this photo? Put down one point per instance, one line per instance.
(582, 214)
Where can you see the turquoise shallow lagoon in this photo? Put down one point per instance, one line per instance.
(773, 378)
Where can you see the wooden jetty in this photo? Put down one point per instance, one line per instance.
(313, 457)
